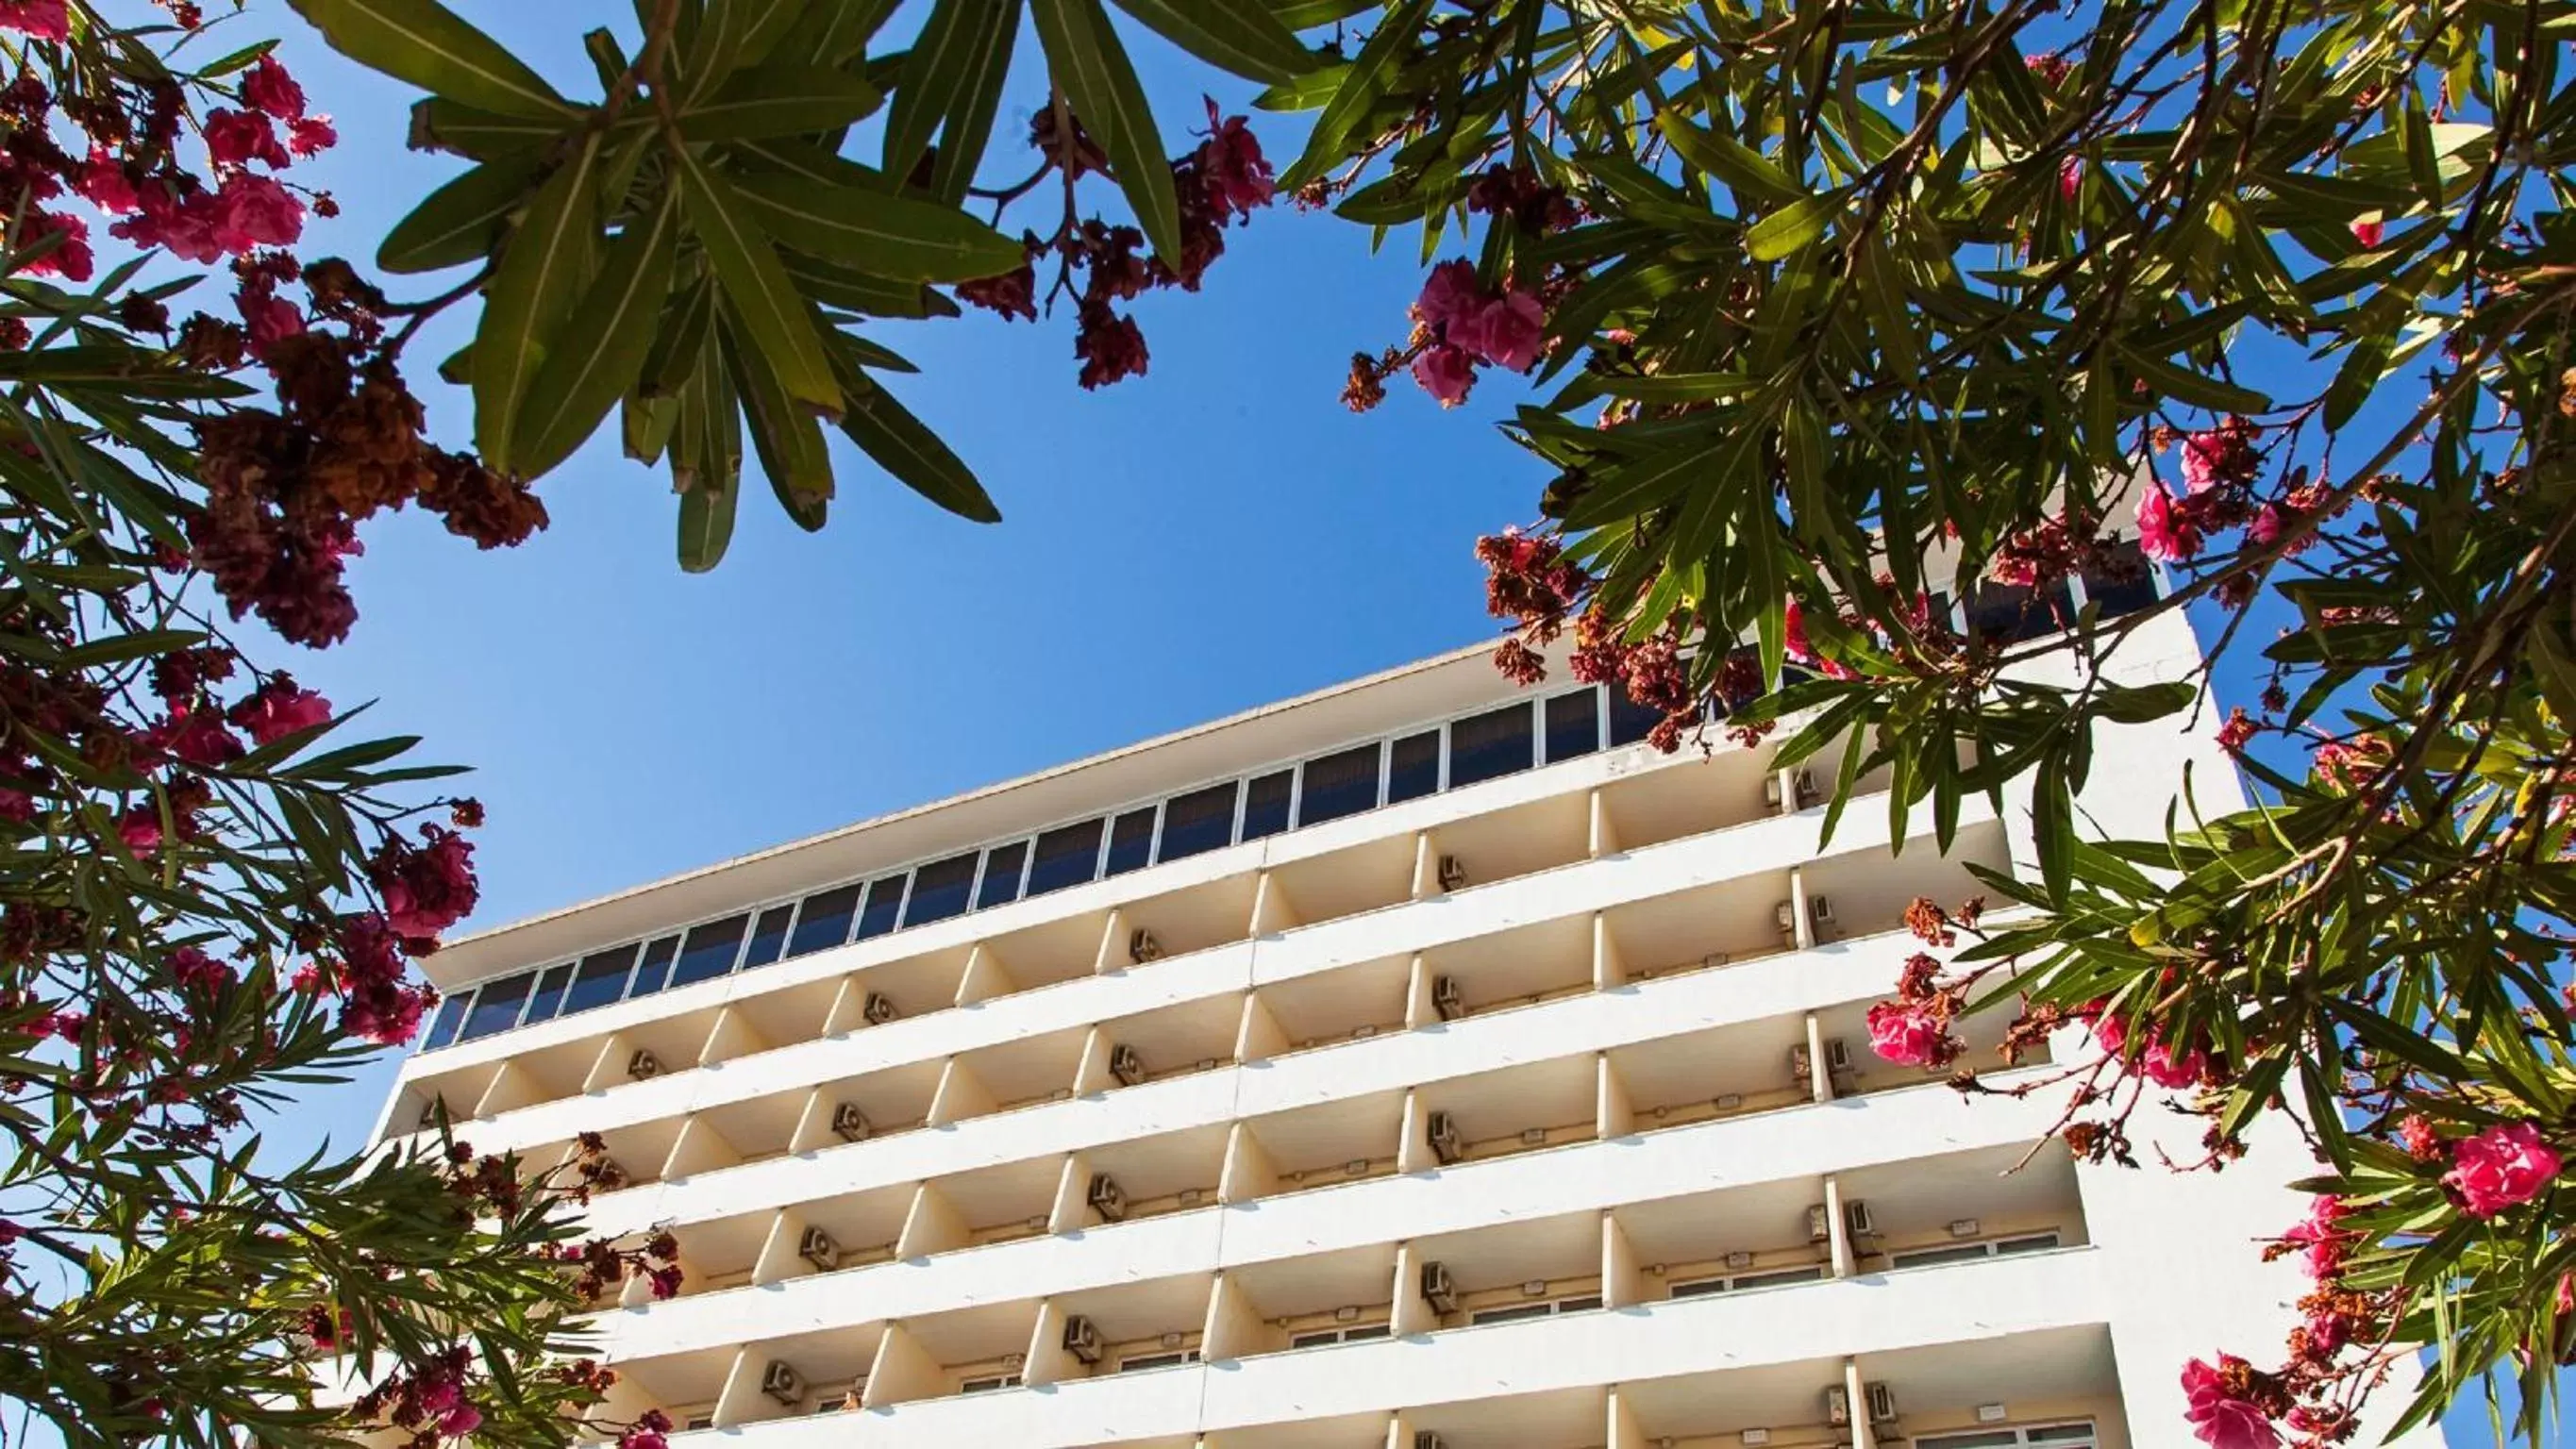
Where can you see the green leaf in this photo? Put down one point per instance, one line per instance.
(1792, 227)
(746, 266)
(788, 439)
(943, 68)
(1748, 173)
(460, 221)
(2191, 388)
(1307, 91)
(444, 125)
(779, 100)
(966, 127)
(1307, 14)
(1241, 36)
(601, 350)
(904, 447)
(706, 458)
(1370, 71)
(429, 45)
(857, 291)
(887, 236)
(1084, 55)
(534, 289)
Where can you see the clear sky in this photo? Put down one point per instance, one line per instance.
(1212, 536)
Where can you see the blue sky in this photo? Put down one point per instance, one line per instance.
(1214, 535)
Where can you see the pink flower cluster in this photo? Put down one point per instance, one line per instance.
(2502, 1167)
(2220, 1413)
(1911, 1034)
(1464, 325)
(37, 19)
(246, 210)
(2159, 1061)
(426, 888)
(2324, 1244)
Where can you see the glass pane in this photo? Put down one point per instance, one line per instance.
(1131, 841)
(2010, 613)
(1489, 745)
(1989, 1439)
(824, 922)
(1200, 821)
(1784, 1275)
(1509, 1315)
(1338, 785)
(1573, 725)
(1629, 720)
(601, 979)
(885, 907)
(709, 951)
(1265, 805)
(496, 1006)
(2062, 1434)
(1068, 855)
(1354, 1335)
(1001, 884)
(939, 890)
(2125, 585)
(2035, 1243)
(1927, 1257)
(451, 1015)
(769, 937)
(655, 973)
(1413, 768)
(543, 1002)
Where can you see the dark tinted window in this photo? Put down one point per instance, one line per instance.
(824, 921)
(496, 1006)
(1573, 725)
(2125, 585)
(1482, 747)
(1629, 720)
(2010, 613)
(939, 890)
(1265, 805)
(451, 1015)
(1131, 841)
(655, 973)
(1338, 785)
(548, 997)
(1200, 821)
(1413, 767)
(1001, 883)
(769, 937)
(600, 980)
(709, 951)
(885, 907)
(1066, 856)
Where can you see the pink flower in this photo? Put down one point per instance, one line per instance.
(2368, 233)
(2164, 533)
(1238, 176)
(184, 227)
(310, 134)
(271, 320)
(2219, 1418)
(2109, 1032)
(2504, 1166)
(1450, 295)
(269, 89)
(463, 1419)
(2203, 454)
(194, 968)
(2325, 1243)
(2070, 177)
(237, 138)
(1906, 1034)
(71, 258)
(141, 831)
(105, 183)
(254, 211)
(280, 709)
(1446, 373)
(426, 888)
(2165, 1068)
(40, 19)
(1506, 332)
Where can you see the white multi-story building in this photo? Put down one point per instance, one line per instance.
(1422, 1062)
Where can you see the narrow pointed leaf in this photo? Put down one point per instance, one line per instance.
(884, 235)
(1242, 36)
(602, 347)
(955, 44)
(535, 287)
(902, 445)
(746, 266)
(967, 127)
(1086, 58)
(429, 45)
(787, 439)
(780, 100)
(459, 221)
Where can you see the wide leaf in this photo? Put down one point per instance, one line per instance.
(601, 350)
(540, 277)
(459, 222)
(878, 233)
(780, 100)
(1242, 36)
(429, 45)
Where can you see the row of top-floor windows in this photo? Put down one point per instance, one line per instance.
(1479, 747)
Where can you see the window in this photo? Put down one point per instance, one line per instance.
(1157, 1360)
(1581, 1303)
(1068, 855)
(1265, 804)
(1131, 841)
(768, 937)
(1198, 822)
(2056, 1436)
(548, 997)
(1357, 1333)
(1962, 1252)
(824, 921)
(1489, 745)
(2010, 613)
(1001, 883)
(940, 890)
(451, 1016)
(1629, 720)
(655, 971)
(988, 1385)
(1413, 768)
(496, 1006)
(1573, 725)
(2126, 584)
(600, 979)
(1338, 785)
(884, 908)
(1746, 1282)
(2028, 1243)
(709, 951)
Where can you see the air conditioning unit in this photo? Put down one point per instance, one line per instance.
(1819, 1228)
(1837, 1406)
(1442, 1132)
(1428, 1440)
(1126, 1065)
(1106, 1198)
(1081, 1339)
(1437, 1289)
(1857, 1217)
(1837, 1056)
(879, 1009)
(782, 1383)
(815, 1246)
(1739, 1260)
(1453, 873)
(1882, 1403)
(1820, 909)
(1771, 789)
(643, 1066)
(848, 1122)
(1804, 783)
(1446, 999)
(1785, 916)
(1142, 947)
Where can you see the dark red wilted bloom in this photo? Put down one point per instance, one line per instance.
(1111, 348)
(280, 708)
(2233, 735)
(426, 888)
(1238, 177)
(237, 138)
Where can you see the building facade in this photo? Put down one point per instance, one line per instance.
(1420, 1064)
